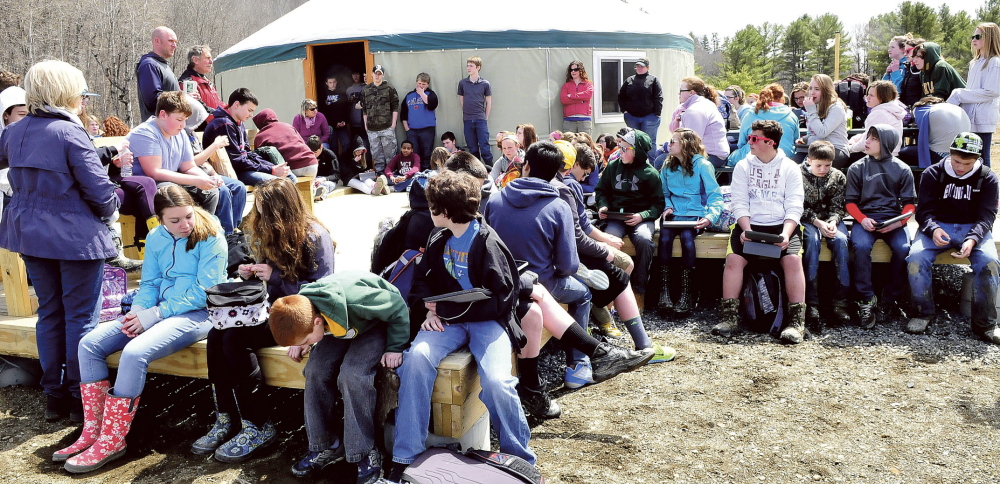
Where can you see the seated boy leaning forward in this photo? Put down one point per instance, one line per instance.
(353, 321)
(774, 184)
(879, 187)
(823, 220)
(956, 211)
(467, 254)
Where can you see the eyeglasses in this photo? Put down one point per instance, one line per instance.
(754, 138)
(731, 97)
(672, 141)
(686, 90)
(977, 37)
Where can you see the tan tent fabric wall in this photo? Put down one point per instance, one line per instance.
(279, 86)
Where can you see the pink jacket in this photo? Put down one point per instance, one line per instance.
(576, 99)
(702, 116)
(891, 113)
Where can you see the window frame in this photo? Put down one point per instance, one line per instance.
(605, 55)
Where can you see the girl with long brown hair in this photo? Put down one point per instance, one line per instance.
(699, 111)
(826, 119)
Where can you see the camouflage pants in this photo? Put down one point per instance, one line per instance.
(383, 147)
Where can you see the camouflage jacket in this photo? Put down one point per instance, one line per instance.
(378, 103)
(824, 196)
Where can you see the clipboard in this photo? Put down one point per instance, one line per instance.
(898, 218)
(466, 296)
(618, 216)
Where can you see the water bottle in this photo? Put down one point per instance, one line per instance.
(127, 168)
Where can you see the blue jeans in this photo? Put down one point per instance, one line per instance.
(491, 349)
(576, 296)
(642, 239)
(648, 124)
(68, 293)
(254, 178)
(984, 270)
(862, 242)
(812, 243)
(423, 144)
(688, 255)
(162, 339)
(232, 201)
(340, 140)
(477, 136)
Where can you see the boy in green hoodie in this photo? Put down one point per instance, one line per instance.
(938, 77)
(351, 321)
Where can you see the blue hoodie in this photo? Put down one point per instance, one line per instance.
(536, 225)
(696, 195)
(789, 125)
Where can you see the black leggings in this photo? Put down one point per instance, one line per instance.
(233, 369)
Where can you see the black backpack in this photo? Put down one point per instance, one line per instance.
(763, 301)
(852, 91)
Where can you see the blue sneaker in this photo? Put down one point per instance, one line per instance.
(578, 375)
(317, 461)
(370, 468)
(247, 442)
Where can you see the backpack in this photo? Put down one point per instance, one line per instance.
(400, 273)
(726, 218)
(239, 253)
(114, 283)
(726, 110)
(763, 301)
(437, 465)
(852, 91)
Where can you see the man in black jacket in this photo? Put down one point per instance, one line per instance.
(641, 100)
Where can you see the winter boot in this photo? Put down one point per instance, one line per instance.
(813, 319)
(251, 439)
(796, 329)
(666, 304)
(605, 322)
(115, 424)
(684, 305)
(730, 312)
(840, 313)
(93, 395)
(220, 432)
(120, 260)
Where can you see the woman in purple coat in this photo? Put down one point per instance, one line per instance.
(56, 221)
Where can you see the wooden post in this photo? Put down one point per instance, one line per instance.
(15, 285)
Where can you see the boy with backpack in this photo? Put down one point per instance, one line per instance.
(956, 209)
(774, 183)
(879, 187)
(823, 220)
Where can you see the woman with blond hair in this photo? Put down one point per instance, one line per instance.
(826, 118)
(769, 107)
(57, 220)
(980, 98)
(699, 112)
(312, 122)
(575, 96)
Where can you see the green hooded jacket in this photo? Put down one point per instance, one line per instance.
(938, 77)
(353, 302)
(632, 187)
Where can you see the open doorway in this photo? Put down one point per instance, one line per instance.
(339, 60)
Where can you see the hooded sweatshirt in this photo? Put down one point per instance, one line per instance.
(702, 116)
(769, 193)
(938, 77)
(937, 126)
(154, 76)
(529, 214)
(632, 187)
(239, 148)
(981, 97)
(824, 196)
(353, 302)
(789, 130)
(890, 113)
(283, 137)
(946, 197)
(880, 188)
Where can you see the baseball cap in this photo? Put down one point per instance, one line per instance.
(643, 61)
(968, 143)
(378, 68)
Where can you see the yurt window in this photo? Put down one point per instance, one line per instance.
(613, 68)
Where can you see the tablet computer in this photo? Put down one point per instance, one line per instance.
(466, 296)
(898, 218)
(763, 237)
(618, 216)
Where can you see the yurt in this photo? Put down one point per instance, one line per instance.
(526, 47)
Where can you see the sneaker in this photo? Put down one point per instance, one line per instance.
(380, 185)
(662, 354)
(991, 335)
(319, 193)
(246, 443)
(578, 375)
(605, 322)
(317, 461)
(917, 325)
(593, 279)
(538, 404)
(610, 360)
(370, 468)
(866, 313)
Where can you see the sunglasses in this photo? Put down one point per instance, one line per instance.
(686, 90)
(754, 139)
(731, 97)
(574, 69)
(310, 109)
(977, 37)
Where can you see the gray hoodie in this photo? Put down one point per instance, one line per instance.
(880, 186)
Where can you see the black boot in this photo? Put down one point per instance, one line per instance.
(120, 260)
(684, 305)
(813, 319)
(666, 304)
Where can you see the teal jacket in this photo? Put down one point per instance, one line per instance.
(789, 125)
(696, 195)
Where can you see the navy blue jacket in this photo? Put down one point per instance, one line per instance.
(154, 76)
(239, 148)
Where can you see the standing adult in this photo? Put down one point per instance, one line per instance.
(152, 72)
(575, 96)
(417, 115)
(699, 112)
(62, 199)
(641, 100)
(980, 98)
(356, 119)
(199, 67)
(476, 97)
(380, 105)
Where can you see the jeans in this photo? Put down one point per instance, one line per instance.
(984, 270)
(340, 141)
(667, 234)
(642, 239)
(254, 178)
(491, 349)
(383, 147)
(477, 136)
(423, 143)
(862, 242)
(584, 126)
(234, 370)
(232, 201)
(648, 124)
(344, 369)
(812, 243)
(162, 339)
(68, 292)
(206, 199)
(309, 170)
(576, 296)
(717, 161)
(987, 143)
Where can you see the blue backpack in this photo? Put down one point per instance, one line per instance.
(400, 273)
(726, 110)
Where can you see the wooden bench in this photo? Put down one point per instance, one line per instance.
(221, 163)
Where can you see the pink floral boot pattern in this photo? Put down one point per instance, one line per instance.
(118, 415)
(93, 395)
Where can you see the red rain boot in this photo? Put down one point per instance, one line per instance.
(93, 396)
(118, 415)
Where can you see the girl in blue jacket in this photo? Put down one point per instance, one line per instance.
(185, 255)
(691, 195)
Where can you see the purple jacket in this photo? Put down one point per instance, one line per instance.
(703, 117)
(323, 257)
(61, 191)
(320, 128)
